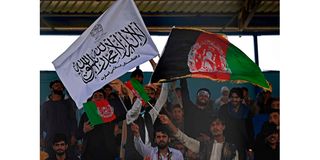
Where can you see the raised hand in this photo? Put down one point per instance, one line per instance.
(164, 119)
(135, 129)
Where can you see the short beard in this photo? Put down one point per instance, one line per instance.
(163, 146)
(201, 103)
(60, 153)
(58, 92)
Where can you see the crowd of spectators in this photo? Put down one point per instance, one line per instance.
(169, 126)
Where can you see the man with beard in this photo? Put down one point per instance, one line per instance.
(198, 115)
(60, 148)
(145, 118)
(57, 116)
(162, 140)
(216, 148)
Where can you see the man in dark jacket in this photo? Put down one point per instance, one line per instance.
(196, 115)
(216, 148)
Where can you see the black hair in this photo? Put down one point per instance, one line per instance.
(136, 72)
(268, 129)
(59, 137)
(237, 91)
(107, 86)
(99, 90)
(218, 118)
(161, 128)
(204, 89)
(176, 106)
(53, 82)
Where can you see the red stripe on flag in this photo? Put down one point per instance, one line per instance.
(105, 111)
(134, 92)
(212, 76)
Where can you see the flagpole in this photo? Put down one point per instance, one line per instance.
(123, 139)
(153, 108)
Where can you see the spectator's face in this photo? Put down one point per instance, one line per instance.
(177, 114)
(57, 88)
(98, 96)
(151, 93)
(235, 99)
(60, 147)
(203, 98)
(107, 91)
(217, 128)
(225, 93)
(274, 117)
(162, 140)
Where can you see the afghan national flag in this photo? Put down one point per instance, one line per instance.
(199, 54)
(137, 89)
(99, 112)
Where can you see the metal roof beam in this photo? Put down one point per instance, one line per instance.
(247, 12)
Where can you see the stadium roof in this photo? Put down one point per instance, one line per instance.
(232, 17)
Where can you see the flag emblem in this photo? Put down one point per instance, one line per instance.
(105, 111)
(207, 55)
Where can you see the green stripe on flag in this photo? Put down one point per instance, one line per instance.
(140, 89)
(243, 68)
(91, 110)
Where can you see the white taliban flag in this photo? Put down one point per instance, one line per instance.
(115, 43)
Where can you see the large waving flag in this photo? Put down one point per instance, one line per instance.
(115, 43)
(199, 54)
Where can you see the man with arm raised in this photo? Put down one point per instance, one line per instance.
(214, 149)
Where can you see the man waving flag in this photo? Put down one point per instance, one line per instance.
(115, 43)
(199, 54)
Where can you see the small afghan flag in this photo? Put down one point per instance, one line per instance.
(99, 112)
(198, 54)
(137, 89)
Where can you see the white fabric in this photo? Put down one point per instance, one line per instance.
(194, 146)
(115, 43)
(216, 151)
(134, 112)
(145, 150)
(190, 143)
(146, 137)
(160, 102)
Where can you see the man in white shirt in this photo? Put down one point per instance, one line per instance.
(162, 140)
